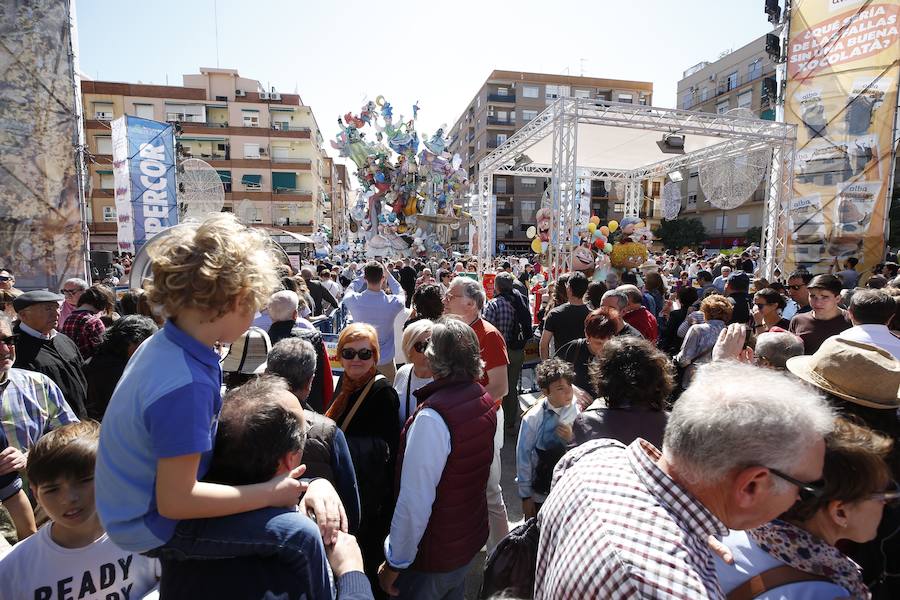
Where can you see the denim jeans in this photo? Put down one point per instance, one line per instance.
(283, 533)
(419, 585)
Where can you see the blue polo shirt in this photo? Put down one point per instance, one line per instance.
(166, 404)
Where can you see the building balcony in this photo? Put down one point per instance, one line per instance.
(504, 212)
(726, 86)
(494, 121)
(277, 126)
(297, 195)
(292, 160)
(102, 227)
(510, 98)
(494, 143)
(99, 192)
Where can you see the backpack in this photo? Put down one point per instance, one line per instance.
(522, 330)
(511, 566)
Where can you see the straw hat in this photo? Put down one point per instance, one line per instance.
(860, 373)
(650, 265)
(248, 353)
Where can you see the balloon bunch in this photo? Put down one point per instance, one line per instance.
(399, 182)
(621, 245)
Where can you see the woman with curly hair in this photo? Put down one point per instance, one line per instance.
(700, 338)
(633, 379)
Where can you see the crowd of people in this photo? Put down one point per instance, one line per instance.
(698, 431)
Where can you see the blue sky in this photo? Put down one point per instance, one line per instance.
(338, 54)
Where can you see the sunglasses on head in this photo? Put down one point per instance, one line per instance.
(5, 278)
(10, 340)
(891, 495)
(66, 292)
(350, 354)
(422, 346)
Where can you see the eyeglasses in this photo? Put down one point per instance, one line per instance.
(890, 496)
(451, 296)
(10, 340)
(760, 305)
(350, 354)
(796, 287)
(811, 489)
(66, 292)
(422, 346)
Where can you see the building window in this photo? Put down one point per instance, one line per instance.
(743, 221)
(552, 92)
(732, 81)
(250, 118)
(721, 222)
(745, 100)
(252, 182)
(143, 111)
(582, 93)
(529, 183)
(655, 190)
(528, 115)
(692, 202)
(103, 111)
(104, 144)
(500, 185)
(251, 150)
(185, 113)
(686, 100)
(107, 181)
(704, 94)
(501, 138)
(109, 214)
(754, 69)
(722, 107)
(527, 208)
(627, 98)
(530, 91)
(502, 91)
(502, 115)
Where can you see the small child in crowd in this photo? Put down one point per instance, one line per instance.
(158, 431)
(545, 432)
(71, 556)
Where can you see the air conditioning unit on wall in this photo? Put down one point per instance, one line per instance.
(240, 93)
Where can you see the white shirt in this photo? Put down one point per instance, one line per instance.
(427, 449)
(38, 567)
(334, 287)
(877, 335)
(35, 333)
(406, 383)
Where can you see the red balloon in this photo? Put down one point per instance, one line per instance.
(598, 243)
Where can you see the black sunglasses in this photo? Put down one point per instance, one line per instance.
(10, 340)
(5, 278)
(796, 287)
(422, 346)
(350, 354)
(811, 489)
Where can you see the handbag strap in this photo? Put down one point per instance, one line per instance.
(771, 579)
(359, 402)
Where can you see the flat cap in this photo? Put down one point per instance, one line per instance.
(35, 297)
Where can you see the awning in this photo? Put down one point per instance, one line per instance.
(280, 109)
(104, 172)
(249, 110)
(251, 179)
(284, 181)
(216, 106)
(225, 176)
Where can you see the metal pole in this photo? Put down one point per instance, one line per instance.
(80, 145)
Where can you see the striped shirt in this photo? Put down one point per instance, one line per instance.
(30, 406)
(616, 526)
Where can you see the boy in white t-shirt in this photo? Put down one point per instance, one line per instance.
(71, 556)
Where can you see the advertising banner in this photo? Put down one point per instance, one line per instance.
(144, 172)
(842, 76)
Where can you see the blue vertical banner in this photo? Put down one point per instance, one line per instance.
(146, 198)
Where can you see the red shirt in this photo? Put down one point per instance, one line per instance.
(644, 321)
(493, 347)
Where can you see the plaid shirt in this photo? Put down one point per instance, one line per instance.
(616, 526)
(30, 406)
(86, 330)
(500, 313)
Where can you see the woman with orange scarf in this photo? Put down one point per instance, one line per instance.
(366, 409)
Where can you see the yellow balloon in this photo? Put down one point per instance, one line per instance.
(592, 227)
(595, 220)
(613, 225)
(536, 244)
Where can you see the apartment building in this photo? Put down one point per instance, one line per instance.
(503, 104)
(266, 146)
(743, 78)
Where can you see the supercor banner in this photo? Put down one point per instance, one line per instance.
(842, 76)
(144, 174)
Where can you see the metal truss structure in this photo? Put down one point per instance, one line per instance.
(566, 119)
